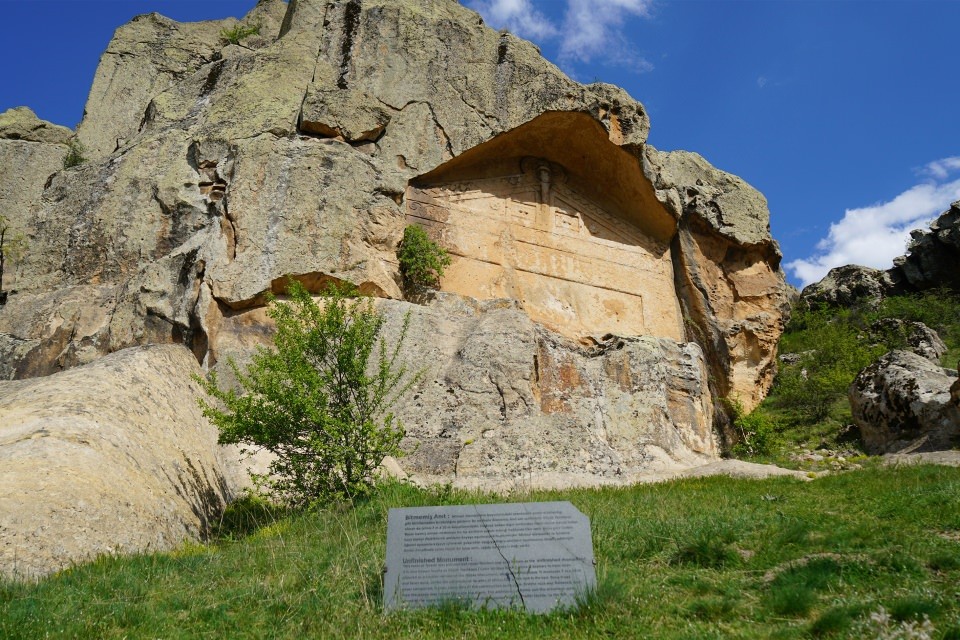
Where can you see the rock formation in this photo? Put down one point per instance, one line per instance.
(903, 403)
(933, 255)
(110, 457)
(930, 262)
(915, 336)
(850, 285)
(603, 295)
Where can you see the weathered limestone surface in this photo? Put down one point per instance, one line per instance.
(849, 285)
(729, 279)
(902, 403)
(505, 402)
(216, 171)
(111, 457)
(146, 57)
(31, 150)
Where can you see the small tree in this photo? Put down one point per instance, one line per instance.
(315, 400)
(422, 261)
(74, 157)
(12, 247)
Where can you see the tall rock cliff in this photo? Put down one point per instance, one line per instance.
(603, 294)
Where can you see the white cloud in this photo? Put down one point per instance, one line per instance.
(590, 27)
(873, 236)
(593, 27)
(519, 16)
(762, 81)
(940, 169)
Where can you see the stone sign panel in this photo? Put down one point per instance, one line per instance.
(530, 235)
(534, 555)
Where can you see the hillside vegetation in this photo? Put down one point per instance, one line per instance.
(852, 555)
(822, 350)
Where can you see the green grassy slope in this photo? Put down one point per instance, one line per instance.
(702, 558)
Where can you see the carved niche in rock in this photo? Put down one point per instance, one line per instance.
(525, 230)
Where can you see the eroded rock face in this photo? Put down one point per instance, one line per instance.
(111, 457)
(902, 403)
(219, 171)
(933, 255)
(31, 150)
(727, 267)
(504, 402)
(546, 232)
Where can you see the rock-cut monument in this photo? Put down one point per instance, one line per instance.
(604, 296)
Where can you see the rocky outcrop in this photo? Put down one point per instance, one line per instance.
(914, 336)
(112, 457)
(902, 403)
(930, 263)
(503, 402)
(849, 285)
(727, 268)
(933, 255)
(216, 171)
(31, 150)
(148, 56)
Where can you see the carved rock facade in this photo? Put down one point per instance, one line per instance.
(603, 296)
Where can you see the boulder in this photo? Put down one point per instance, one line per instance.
(110, 457)
(902, 403)
(915, 336)
(849, 285)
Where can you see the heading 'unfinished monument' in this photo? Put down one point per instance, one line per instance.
(604, 296)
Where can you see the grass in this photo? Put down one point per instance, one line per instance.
(697, 558)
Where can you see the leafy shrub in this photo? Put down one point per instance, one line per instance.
(422, 261)
(832, 352)
(313, 401)
(74, 157)
(757, 432)
(238, 32)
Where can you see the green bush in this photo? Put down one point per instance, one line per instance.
(74, 157)
(422, 261)
(833, 349)
(238, 32)
(756, 431)
(314, 400)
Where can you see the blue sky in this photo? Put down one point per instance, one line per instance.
(844, 114)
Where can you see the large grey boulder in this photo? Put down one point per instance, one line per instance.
(903, 403)
(111, 457)
(849, 285)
